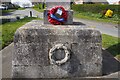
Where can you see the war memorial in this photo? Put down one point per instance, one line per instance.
(56, 48)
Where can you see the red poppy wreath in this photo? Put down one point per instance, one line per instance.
(57, 15)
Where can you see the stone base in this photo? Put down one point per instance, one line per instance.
(33, 43)
(69, 19)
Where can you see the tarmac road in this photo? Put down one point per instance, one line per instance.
(105, 28)
(26, 12)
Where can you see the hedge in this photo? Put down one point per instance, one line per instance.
(95, 8)
(40, 6)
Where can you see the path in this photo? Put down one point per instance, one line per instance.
(105, 28)
(26, 12)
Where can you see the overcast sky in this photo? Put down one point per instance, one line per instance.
(112, 1)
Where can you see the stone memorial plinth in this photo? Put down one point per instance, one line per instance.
(64, 3)
(56, 51)
(60, 51)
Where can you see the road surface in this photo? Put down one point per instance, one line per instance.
(26, 12)
(105, 28)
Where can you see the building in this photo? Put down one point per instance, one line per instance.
(117, 3)
(33, 1)
(78, 1)
(91, 1)
(5, 2)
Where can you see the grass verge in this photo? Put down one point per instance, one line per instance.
(111, 44)
(7, 30)
(20, 8)
(92, 16)
(7, 11)
(37, 9)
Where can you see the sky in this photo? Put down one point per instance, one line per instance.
(22, 3)
(112, 1)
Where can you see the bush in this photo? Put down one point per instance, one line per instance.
(95, 8)
(5, 21)
(40, 6)
(12, 6)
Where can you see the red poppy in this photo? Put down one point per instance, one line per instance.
(53, 11)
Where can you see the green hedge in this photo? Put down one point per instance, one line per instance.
(40, 6)
(95, 8)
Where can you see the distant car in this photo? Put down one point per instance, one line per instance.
(3, 7)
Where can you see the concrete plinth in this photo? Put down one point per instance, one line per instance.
(61, 51)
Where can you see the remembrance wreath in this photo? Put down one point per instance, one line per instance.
(57, 15)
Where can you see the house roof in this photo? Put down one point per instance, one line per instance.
(113, 1)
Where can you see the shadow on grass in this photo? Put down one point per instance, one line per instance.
(78, 23)
(7, 12)
(114, 50)
(110, 64)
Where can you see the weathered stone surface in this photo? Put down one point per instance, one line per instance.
(69, 18)
(33, 42)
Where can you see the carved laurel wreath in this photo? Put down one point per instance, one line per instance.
(57, 47)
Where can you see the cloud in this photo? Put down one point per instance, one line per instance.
(22, 3)
(112, 1)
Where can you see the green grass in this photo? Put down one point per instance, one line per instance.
(111, 44)
(93, 16)
(7, 11)
(20, 8)
(8, 30)
(37, 9)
